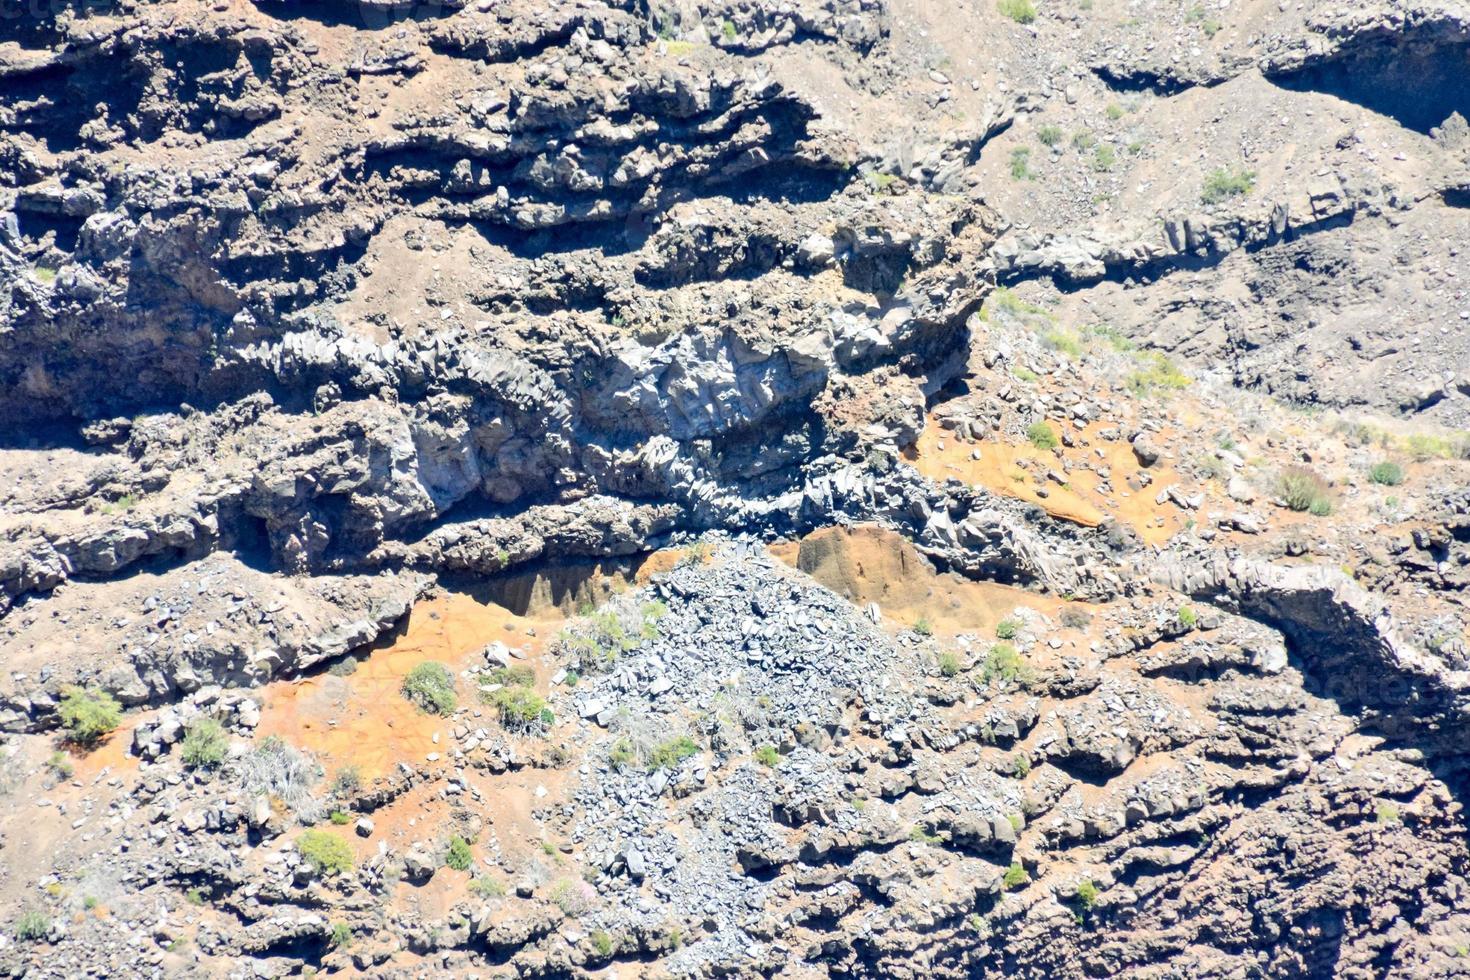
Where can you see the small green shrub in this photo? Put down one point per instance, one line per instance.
(88, 714)
(324, 851)
(767, 755)
(668, 754)
(194, 896)
(1020, 11)
(430, 685)
(622, 755)
(1187, 617)
(1007, 629)
(520, 709)
(205, 744)
(1114, 111)
(340, 818)
(1156, 373)
(345, 667)
(602, 943)
(728, 30)
(1003, 663)
(1062, 341)
(1386, 473)
(949, 664)
(340, 935)
(458, 855)
(1087, 893)
(1020, 766)
(518, 675)
(487, 887)
(922, 835)
(923, 627)
(1386, 813)
(1075, 619)
(1222, 184)
(31, 925)
(1049, 135)
(1084, 140)
(60, 765)
(1042, 435)
(1021, 164)
(1301, 489)
(1104, 158)
(1016, 877)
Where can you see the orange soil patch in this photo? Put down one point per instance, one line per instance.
(363, 719)
(939, 455)
(873, 564)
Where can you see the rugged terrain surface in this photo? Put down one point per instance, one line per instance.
(901, 488)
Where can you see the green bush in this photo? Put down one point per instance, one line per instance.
(341, 935)
(602, 943)
(458, 855)
(1223, 183)
(1003, 663)
(520, 709)
(205, 744)
(668, 754)
(1386, 473)
(1042, 435)
(1156, 373)
(767, 755)
(1049, 135)
(487, 887)
(923, 627)
(430, 685)
(1016, 877)
(88, 714)
(1300, 489)
(1087, 893)
(324, 851)
(1007, 629)
(340, 817)
(516, 676)
(60, 765)
(31, 925)
(1020, 11)
(1104, 158)
(1187, 617)
(1021, 164)
(1020, 767)
(949, 664)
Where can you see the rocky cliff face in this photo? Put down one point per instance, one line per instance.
(315, 313)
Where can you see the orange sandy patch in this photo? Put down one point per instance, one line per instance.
(939, 455)
(873, 564)
(363, 719)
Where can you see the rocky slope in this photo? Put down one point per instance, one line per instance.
(1059, 416)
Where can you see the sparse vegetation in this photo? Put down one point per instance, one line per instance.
(727, 30)
(1020, 766)
(205, 744)
(1075, 619)
(1021, 164)
(1156, 373)
(602, 943)
(1187, 617)
(486, 887)
(922, 835)
(1301, 489)
(1016, 877)
(1114, 111)
(1020, 11)
(667, 755)
(767, 756)
(520, 709)
(1004, 664)
(60, 765)
(458, 855)
(923, 627)
(88, 714)
(31, 925)
(1386, 813)
(1386, 473)
(1050, 135)
(1063, 341)
(1087, 893)
(347, 781)
(340, 817)
(340, 935)
(600, 638)
(949, 664)
(1042, 435)
(324, 851)
(430, 685)
(1104, 158)
(1222, 184)
(1007, 629)
(194, 896)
